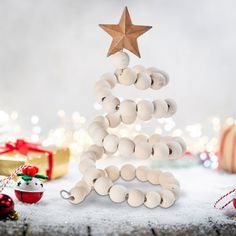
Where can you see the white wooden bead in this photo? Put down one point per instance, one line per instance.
(78, 194)
(92, 174)
(153, 199)
(160, 151)
(110, 143)
(166, 178)
(99, 151)
(98, 136)
(120, 60)
(158, 81)
(110, 78)
(128, 111)
(168, 198)
(127, 172)
(154, 139)
(160, 108)
(141, 138)
(165, 75)
(102, 185)
(166, 139)
(114, 119)
(127, 77)
(153, 176)
(102, 121)
(174, 188)
(118, 73)
(175, 150)
(143, 150)
(143, 81)
(83, 184)
(118, 193)
(145, 110)
(102, 93)
(172, 107)
(100, 84)
(181, 142)
(111, 103)
(136, 198)
(113, 172)
(151, 70)
(139, 69)
(126, 147)
(88, 155)
(93, 127)
(141, 173)
(85, 164)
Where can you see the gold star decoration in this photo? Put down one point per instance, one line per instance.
(125, 34)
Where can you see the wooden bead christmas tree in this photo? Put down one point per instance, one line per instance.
(125, 36)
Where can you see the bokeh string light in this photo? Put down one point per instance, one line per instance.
(201, 138)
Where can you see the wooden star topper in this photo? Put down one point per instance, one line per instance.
(125, 34)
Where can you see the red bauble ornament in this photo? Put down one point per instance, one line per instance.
(234, 202)
(6, 205)
(7, 208)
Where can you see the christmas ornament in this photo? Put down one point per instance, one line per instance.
(127, 112)
(51, 161)
(29, 188)
(6, 203)
(227, 150)
(7, 208)
(232, 200)
(125, 34)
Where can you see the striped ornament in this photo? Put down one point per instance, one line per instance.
(227, 149)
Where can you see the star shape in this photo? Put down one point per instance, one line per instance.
(124, 34)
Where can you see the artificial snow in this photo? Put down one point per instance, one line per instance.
(98, 215)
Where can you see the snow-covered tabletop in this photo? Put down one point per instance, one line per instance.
(193, 214)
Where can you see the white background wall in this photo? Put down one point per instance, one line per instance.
(52, 52)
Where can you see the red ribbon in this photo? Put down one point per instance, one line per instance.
(24, 148)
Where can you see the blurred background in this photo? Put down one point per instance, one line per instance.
(52, 52)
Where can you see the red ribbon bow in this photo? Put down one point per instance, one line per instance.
(24, 148)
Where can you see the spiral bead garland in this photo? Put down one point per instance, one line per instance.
(142, 147)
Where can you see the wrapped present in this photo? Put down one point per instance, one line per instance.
(227, 150)
(51, 161)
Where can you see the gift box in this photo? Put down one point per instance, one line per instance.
(51, 161)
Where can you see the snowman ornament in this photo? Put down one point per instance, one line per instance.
(29, 189)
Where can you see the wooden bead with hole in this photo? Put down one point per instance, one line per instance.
(136, 198)
(113, 172)
(142, 173)
(118, 193)
(92, 174)
(78, 194)
(127, 172)
(102, 185)
(143, 81)
(120, 60)
(153, 199)
(168, 198)
(153, 176)
(114, 119)
(143, 150)
(127, 77)
(110, 104)
(126, 147)
(110, 143)
(128, 111)
(160, 151)
(145, 110)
